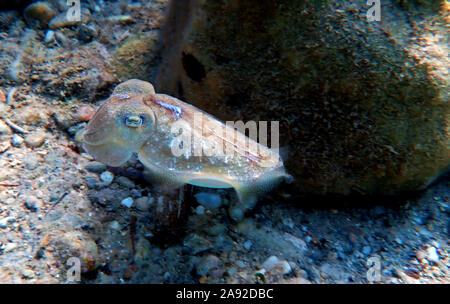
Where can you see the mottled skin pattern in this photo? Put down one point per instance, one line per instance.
(137, 120)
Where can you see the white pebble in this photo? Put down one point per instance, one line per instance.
(128, 202)
(49, 36)
(274, 264)
(270, 262)
(200, 210)
(10, 247)
(107, 177)
(248, 245)
(115, 225)
(16, 140)
(432, 255)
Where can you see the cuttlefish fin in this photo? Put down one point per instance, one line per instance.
(249, 193)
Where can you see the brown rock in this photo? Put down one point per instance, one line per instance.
(85, 113)
(78, 245)
(39, 13)
(363, 106)
(35, 139)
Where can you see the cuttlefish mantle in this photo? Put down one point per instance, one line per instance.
(180, 144)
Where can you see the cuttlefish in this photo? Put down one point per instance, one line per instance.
(180, 144)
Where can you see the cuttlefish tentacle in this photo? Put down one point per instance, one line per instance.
(137, 120)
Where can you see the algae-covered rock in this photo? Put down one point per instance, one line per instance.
(363, 105)
(74, 244)
(131, 58)
(39, 13)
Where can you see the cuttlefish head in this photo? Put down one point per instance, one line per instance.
(118, 129)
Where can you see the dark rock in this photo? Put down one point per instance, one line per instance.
(86, 33)
(92, 182)
(95, 167)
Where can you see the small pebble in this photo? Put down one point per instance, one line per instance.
(35, 139)
(31, 161)
(16, 140)
(248, 245)
(61, 20)
(49, 36)
(200, 210)
(398, 241)
(206, 264)
(107, 177)
(270, 262)
(420, 255)
(115, 225)
(127, 202)
(142, 203)
(85, 113)
(120, 19)
(209, 200)
(31, 203)
(65, 121)
(86, 33)
(275, 266)
(27, 273)
(95, 167)
(367, 250)
(125, 182)
(92, 182)
(432, 255)
(9, 247)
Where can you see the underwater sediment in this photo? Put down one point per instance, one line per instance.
(363, 105)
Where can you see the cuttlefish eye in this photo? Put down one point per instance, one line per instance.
(134, 121)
